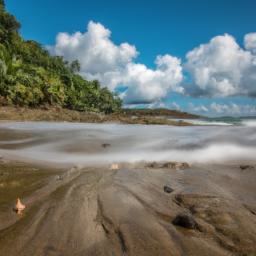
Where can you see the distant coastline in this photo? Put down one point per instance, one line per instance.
(125, 116)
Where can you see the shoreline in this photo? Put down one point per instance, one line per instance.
(99, 201)
(65, 115)
(94, 207)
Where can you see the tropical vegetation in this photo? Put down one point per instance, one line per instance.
(30, 76)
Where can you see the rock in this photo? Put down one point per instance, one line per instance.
(185, 220)
(245, 167)
(105, 145)
(168, 189)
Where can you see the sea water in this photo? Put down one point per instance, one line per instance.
(80, 143)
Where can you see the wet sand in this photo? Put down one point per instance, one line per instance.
(93, 210)
(98, 211)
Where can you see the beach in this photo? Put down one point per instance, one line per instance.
(111, 189)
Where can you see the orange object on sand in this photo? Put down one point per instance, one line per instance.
(114, 167)
(19, 207)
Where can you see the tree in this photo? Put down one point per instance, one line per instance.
(2, 5)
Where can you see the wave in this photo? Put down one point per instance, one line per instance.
(249, 123)
(71, 143)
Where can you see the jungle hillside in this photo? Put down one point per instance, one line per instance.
(31, 77)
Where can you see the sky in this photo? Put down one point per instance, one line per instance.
(194, 55)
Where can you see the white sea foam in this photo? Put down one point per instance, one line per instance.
(203, 122)
(250, 123)
(77, 143)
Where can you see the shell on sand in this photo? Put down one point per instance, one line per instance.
(19, 207)
(114, 167)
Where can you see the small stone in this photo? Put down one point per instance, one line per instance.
(105, 145)
(168, 189)
(185, 220)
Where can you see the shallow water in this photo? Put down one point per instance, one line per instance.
(79, 143)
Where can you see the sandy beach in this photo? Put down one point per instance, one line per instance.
(76, 204)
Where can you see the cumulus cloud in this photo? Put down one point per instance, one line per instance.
(218, 68)
(233, 109)
(222, 68)
(198, 108)
(250, 42)
(147, 85)
(114, 65)
(224, 109)
(175, 106)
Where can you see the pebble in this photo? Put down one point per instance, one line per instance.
(168, 189)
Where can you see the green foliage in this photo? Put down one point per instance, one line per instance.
(30, 76)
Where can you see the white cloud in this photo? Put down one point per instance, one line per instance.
(198, 108)
(175, 106)
(250, 42)
(222, 68)
(114, 65)
(219, 108)
(224, 109)
(147, 85)
(218, 68)
(233, 109)
(157, 104)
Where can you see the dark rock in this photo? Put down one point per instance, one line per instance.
(245, 167)
(168, 189)
(105, 145)
(185, 220)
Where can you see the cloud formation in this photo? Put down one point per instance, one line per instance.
(198, 108)
(219, 68)
(224, 109)
(250, 42)
(222, 68)
(114, 65)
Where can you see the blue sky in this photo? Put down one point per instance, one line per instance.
(156, 28)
